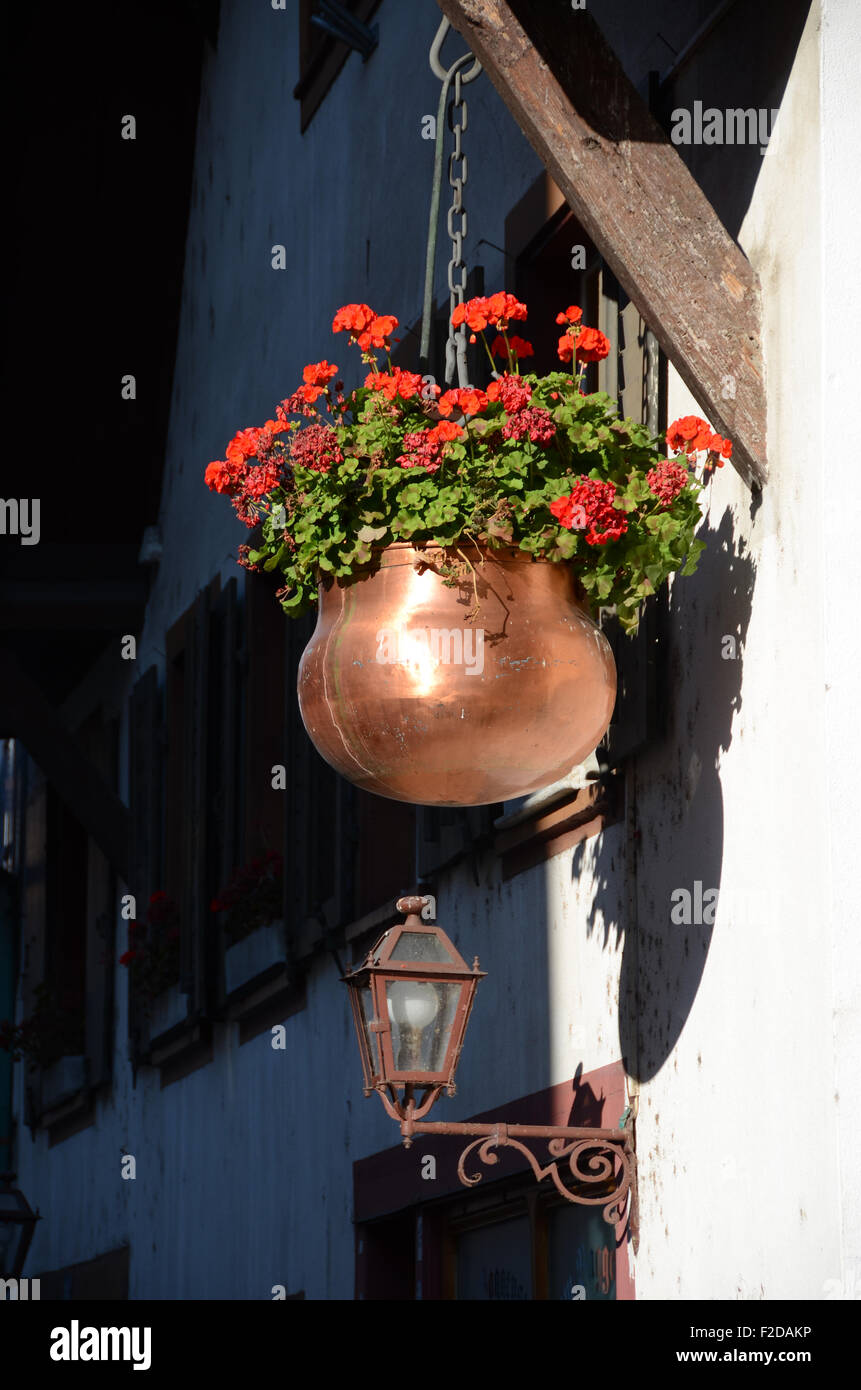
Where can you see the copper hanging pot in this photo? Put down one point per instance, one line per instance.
(456, 696)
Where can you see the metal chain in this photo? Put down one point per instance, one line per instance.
(457, 119)
(455, 348)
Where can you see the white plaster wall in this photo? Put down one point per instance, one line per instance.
(840, 314)
(748, 1032)
(743, 1136)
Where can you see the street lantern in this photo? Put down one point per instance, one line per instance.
(411, 999)
(17, 1223)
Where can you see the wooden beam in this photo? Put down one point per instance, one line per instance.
(27, 715)
(636, 199)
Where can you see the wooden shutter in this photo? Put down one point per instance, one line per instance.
(98, 738)
(194, 899)
(320, 825)
(631, 374)
(146, 771)
(146, 748)
(225, 848)
(265, 642)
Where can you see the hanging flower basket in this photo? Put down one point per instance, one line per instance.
(456, 695)
(447, 532)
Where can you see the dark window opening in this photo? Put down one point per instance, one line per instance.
(321, 56)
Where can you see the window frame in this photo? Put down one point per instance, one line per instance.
(321, 57)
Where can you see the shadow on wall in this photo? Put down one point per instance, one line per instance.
(744, 65)
(741, 65)
(676, 833)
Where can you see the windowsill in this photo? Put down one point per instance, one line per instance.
(377, 920)
(63, 1080)
(65, 1099)
(178, 1042)
(257, 978)
(583, 776)
(549, 829)
(169, 1010)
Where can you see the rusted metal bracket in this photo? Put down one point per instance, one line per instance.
(601, 1162)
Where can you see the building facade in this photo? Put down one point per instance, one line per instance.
(673, 940)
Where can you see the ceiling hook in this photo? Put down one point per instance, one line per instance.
(436, 66)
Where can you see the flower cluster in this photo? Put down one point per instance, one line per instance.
(514, 346)
(252, 898)
(315, 447)
(407, 385)
(466, 399)
(530, 462)
(591, 506)
(424, 448)
(691, 435)
(152, 957)
(53, 1029)
(584, 344)
(496, 310)
(512, 391)
(533, 421)
(667, 480)
(367, 329)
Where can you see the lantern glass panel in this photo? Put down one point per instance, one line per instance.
(366, 1010)
(420, 946)
(422, 1014)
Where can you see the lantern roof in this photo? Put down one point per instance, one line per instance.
(416, 947)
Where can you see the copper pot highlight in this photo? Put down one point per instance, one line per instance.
(456, 696)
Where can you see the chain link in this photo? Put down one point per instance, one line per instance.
(455, 348)
(456, 116)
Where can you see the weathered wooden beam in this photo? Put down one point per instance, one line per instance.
(635, 198)
(27, 715)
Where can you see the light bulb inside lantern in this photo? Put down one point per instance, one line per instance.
(413, 1004)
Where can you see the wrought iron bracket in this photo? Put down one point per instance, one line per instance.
(601, 1163)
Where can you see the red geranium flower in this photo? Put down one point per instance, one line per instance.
(667, 480)
(571, 515)
(447, 430)
(217, 476)
(396, 383)
(468, 399)
(502, 307)
(318, 373)
(511, 391)
(591, 345)
(688, 434)
(572, 314)
(519, 346)
(378, 332)
(353, 318)
(472, 312)
(605, 522)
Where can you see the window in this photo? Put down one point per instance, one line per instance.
(184, 750)
(508, 1238)
(555, 264)
(531, 1247)
(66, 895)
(321, 56)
